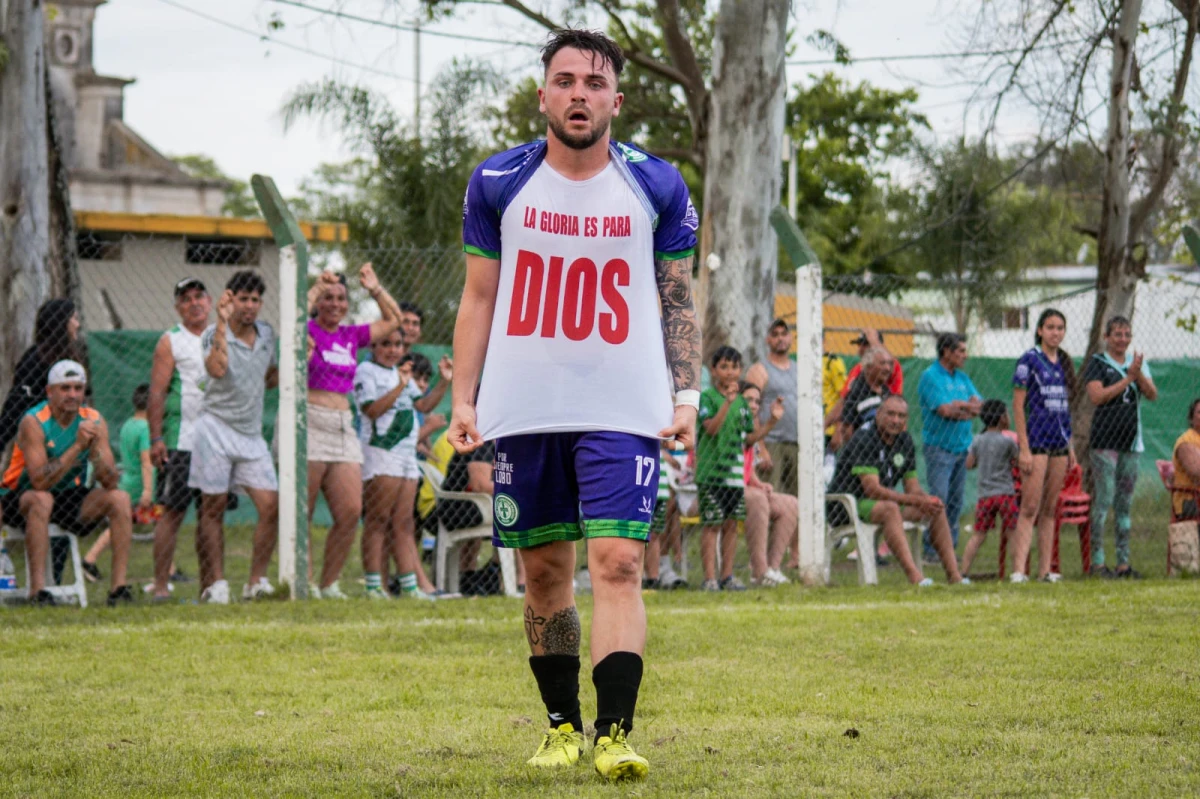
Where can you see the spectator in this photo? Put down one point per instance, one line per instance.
(772, 516)
(44, 483)
(1186, 459)
(867, 391)
(137, 476)
(871, 339)
(335, 455)
(833, 380)
(1115, 379)
(726, 429)
(55, 338)
(177, 378)
(949, 401)
(1041, 402)
(388, 399)
(666, 529)
(429, 423)
(870, 466)
(775, 377)
(993, 452)
(228, 446)
(411, 319)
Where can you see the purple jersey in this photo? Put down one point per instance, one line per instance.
(1047, 411)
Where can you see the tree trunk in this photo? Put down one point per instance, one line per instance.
(24, 175)
(743, 173)
(1117, 273)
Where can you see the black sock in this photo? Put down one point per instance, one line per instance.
(558, 680)
(617, 679)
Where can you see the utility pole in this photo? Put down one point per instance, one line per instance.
(417, 74)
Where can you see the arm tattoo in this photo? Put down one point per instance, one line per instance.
(52, 466)
(681, 332)
(561, 634)
(533, 626)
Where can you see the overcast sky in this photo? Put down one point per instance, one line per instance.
(205, 87)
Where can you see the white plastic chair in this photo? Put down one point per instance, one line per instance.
(448, 541)
(71, 592)
(864, 534)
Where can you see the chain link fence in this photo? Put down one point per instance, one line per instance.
(126, 302)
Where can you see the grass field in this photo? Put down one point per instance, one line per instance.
(1081, 689)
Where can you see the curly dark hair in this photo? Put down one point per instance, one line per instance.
(247, 280)
(594, 42)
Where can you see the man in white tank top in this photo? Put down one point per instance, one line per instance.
(776, 380)
(579, 260)
(177, 380)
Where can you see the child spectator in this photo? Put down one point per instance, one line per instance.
(428, 423)
(726, 429)
(665, 528)
(767, 509)
(388, 400)
(137, 476)
(992, 452)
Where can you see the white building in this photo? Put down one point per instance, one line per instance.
(1166, 322)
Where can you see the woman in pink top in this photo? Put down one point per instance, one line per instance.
(334, 453)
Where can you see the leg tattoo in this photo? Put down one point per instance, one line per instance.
(533, 626)
(561, 633)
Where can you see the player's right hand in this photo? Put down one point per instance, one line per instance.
(463, 434)
(158, 454)
(87, 433)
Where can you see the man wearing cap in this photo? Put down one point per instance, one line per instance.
(45, 480)
(868, 339)
(776, 381)
(177, 380)
(227, 439)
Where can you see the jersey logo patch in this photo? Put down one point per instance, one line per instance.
(691, 219)
(631, 155)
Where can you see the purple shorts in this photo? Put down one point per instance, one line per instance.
(564, 486)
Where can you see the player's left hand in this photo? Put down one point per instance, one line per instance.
(463, 435)
(683, 427)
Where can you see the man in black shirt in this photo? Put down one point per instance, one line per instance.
(870, 466)
(867, 391)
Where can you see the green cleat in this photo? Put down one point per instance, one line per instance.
(560, 748)
(615, 759)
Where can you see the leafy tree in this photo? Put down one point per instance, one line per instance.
(846, 136)
(239, 200)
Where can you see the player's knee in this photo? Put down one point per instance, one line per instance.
(542, 579)
(617, 568)
(118, 502)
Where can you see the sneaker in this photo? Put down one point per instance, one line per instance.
(560, 747)
(853, 554)
(1102, 572)
(180, 577)
(120, 595)
(928, 581)
(649, 584)
(376, 592)
(43, 599)
(258, 590)
(965, 581)
(770, 579)
(91, 572)
(1017, 577)
(1128, 573)
(669, 579)
(732, 583)
(777, 576)
(393, 585)
(148, 588)
(710, 585)
(1052, 577)
(314, 591)
(332, 591)
(615, 759)
(216, 594)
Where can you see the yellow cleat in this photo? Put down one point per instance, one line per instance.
(560, 748)
(615, 759)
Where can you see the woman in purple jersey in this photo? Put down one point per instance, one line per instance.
(1042, 387)
(334, 453)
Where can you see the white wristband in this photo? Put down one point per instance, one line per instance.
(689, 396)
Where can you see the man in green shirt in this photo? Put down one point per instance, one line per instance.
(44, 483)
(870, 467)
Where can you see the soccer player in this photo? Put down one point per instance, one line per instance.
(574, 245)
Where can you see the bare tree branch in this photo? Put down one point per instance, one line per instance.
(679, 154)
(633, 54)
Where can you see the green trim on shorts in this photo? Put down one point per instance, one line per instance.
(520, 539)
(865, 506)
(864, 470)
(910, 475)
(617, 528)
